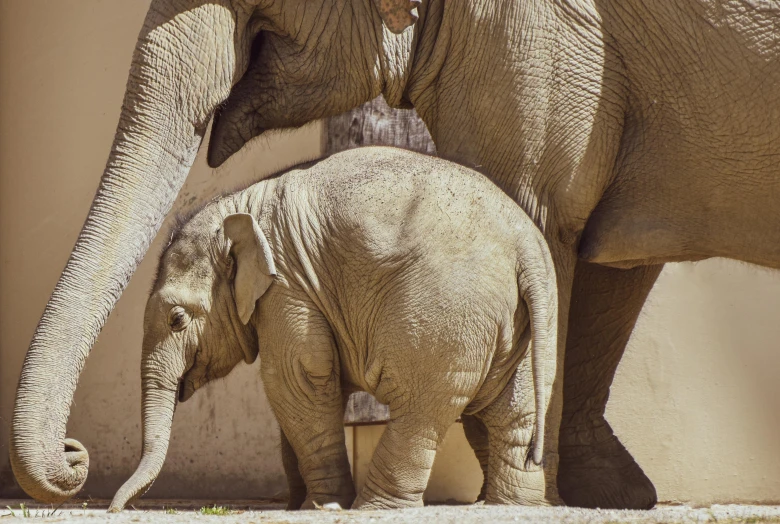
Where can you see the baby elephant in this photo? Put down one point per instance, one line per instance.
(375, 269)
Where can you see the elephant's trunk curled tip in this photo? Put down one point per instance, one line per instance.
(59, 485)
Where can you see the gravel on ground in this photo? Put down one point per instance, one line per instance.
(229, 512)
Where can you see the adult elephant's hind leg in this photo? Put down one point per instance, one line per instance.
(595, 469)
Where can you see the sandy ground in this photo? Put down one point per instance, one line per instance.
(270, 512)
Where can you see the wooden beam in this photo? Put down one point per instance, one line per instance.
(374, 123)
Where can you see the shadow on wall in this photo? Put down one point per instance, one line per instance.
(696, 398)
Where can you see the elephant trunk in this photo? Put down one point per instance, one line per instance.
(158, 408)
(161, 126)
(539, 289)
(162, 369)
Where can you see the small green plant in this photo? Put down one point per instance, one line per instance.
(172, 511)
(23, 508)
(215, 510)
(27, 514)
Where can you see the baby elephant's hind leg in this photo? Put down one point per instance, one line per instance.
(477, 436)
(295, 482)
(512, 476)
(402, 462)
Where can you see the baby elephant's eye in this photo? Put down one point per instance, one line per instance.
(178, 318)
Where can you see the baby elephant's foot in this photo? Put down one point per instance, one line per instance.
(297, 499)
(515, 479)
(328, 502)
(343, 496)
(379, 499)
(517, 487)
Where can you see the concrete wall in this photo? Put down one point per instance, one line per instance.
(696, 398)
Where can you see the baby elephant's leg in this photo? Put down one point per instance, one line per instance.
(513, 478)
(402, 462)
(477, 436)
(301, 376)
(295, 481)
(316, 435)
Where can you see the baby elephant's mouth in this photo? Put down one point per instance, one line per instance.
(180, 389)
(185, 389)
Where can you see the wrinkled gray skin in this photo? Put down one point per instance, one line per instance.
(634, 133)
(364, 272)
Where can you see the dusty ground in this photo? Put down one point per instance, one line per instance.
(248, 512)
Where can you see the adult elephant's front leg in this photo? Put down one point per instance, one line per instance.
(595, 469)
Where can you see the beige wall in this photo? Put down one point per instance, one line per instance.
(696, 398)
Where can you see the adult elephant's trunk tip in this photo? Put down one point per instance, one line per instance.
(57, 486)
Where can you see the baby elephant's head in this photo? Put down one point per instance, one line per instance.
(196, 325)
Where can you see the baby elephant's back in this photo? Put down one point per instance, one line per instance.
(390, 199)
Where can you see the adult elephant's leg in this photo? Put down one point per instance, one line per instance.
(477, 436)
(595, 469)
(295, 481)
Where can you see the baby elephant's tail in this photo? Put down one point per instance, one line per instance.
(539, 289)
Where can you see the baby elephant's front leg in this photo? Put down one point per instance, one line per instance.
(315, 432)
(295, 482)
(301, 380)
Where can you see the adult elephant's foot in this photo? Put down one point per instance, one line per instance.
(596, 471)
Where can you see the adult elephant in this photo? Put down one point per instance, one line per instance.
(632, 132)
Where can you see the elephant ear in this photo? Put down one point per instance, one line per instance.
(398, 14)
(255, 269)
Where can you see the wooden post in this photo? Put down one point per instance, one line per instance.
(374, 123)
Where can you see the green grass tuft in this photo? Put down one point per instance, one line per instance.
(25, 512)
(215, 510)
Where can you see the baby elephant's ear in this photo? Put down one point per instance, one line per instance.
(397, 14)
(255, 269)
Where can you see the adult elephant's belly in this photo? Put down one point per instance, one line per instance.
(698, 171)
(672, 210)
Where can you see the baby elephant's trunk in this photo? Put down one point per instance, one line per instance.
(159, 382)
(158, 406)
(539, 289)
